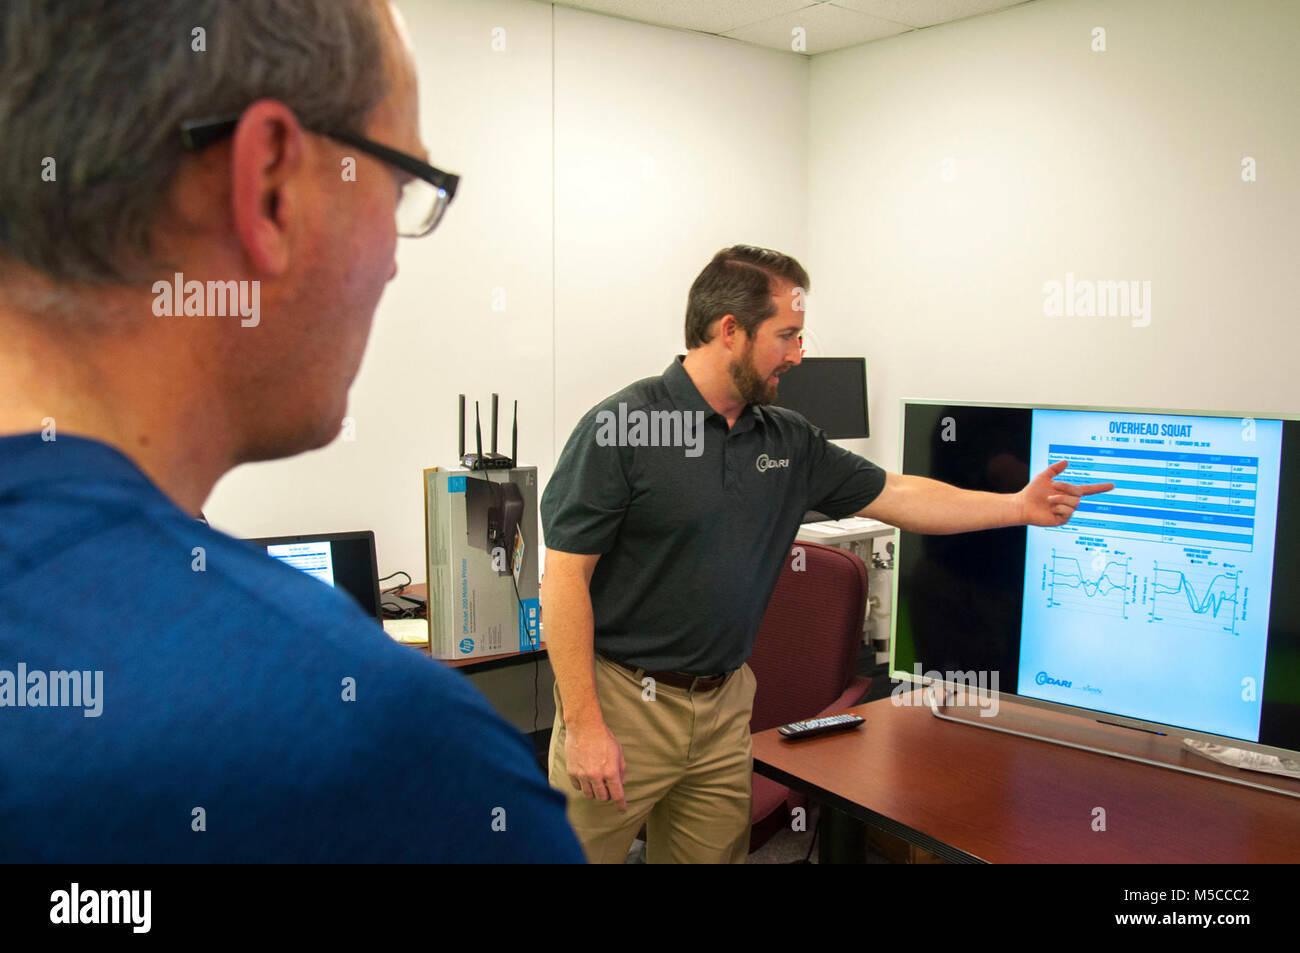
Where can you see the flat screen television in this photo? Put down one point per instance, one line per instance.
(1171, 603)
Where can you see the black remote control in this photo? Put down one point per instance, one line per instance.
(820, 726)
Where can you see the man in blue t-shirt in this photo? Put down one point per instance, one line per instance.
(191, 251)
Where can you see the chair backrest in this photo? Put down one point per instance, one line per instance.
(807, 647)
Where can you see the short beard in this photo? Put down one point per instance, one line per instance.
(752, 386)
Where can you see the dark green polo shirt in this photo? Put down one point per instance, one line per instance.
(692, 525)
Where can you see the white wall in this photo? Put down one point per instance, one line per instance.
(628, 237)
(1124, 164)
(668, 147)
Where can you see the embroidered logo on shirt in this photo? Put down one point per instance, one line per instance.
(764, 462)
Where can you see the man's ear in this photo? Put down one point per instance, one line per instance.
(267, 158)
(728, 328)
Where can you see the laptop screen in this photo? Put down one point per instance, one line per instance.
(343, 560)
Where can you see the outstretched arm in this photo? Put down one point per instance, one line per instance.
(921, 505)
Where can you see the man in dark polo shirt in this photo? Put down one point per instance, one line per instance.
(667, 521)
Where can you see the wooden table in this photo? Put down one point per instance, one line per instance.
(970, 795)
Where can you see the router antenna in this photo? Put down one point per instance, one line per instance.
(494, 424)
(478, 437)
(514, 438)
(462, 426)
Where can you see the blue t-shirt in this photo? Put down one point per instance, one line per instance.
(244, 711)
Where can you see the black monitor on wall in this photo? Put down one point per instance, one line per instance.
(830, 392)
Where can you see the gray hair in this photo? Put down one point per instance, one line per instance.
(102, 88)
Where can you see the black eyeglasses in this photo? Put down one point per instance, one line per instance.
(424, 199)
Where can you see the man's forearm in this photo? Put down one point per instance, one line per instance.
(921, 505)
(570, 644)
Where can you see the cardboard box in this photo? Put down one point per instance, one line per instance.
(481, 548)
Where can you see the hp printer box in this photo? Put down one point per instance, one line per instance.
(481, 544)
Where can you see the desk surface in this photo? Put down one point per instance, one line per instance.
(967, 794)
(839, 532)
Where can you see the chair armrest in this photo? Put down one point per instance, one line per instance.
(856, 691)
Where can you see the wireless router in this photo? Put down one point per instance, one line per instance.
(492, 460)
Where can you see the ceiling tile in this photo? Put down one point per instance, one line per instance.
(711, 16)
(925, 12)
(826, 27)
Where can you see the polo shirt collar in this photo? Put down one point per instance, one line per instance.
(29, 460)
(688, 397)
(749, 418)
(682, 389)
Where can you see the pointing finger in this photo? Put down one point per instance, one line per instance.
(1095, 488)
(1082, 489)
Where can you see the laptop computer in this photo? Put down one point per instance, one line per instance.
(343, 560)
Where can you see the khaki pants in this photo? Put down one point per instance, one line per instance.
(689, 770)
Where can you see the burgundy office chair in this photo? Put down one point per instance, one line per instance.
(805, 658)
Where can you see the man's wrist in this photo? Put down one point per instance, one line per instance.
(585, 723)
(1018, 517)
(585, 716)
